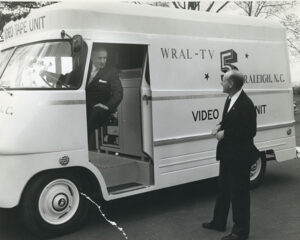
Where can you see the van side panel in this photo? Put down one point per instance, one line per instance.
(188, 101)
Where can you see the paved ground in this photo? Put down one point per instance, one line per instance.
(177, 213)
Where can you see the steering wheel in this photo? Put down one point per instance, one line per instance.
(51, 79)
(46, 76)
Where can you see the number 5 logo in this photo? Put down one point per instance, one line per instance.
(227, 58)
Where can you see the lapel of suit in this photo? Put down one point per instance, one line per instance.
(99, 74)
(235, 106)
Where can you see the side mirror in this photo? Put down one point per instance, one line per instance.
(77, 42)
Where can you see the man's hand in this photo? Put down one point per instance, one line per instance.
(220, 135)
(102, 106)
(216, 129)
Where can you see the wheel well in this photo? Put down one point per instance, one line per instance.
(268, 155)
(91, 183)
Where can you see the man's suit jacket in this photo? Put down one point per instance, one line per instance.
(239, 125)
(105, 88)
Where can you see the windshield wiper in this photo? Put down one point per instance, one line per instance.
(5, 90)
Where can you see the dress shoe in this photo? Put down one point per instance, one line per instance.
(233, 236)
(210, 225)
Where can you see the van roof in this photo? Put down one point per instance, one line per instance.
(137, 10)
(145, 19)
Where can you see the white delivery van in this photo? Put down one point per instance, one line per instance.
(171, 64)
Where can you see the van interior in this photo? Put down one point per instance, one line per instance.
(119, 155)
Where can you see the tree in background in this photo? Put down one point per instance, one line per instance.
(207, 6)
(280, 10)
(198, 7)
(264, 8)
(292, 25)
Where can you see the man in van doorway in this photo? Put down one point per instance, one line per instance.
(104, 92)
(236, 152)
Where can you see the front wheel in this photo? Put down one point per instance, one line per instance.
(257, 172)
(52, 204)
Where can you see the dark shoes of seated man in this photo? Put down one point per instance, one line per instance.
(231, 236)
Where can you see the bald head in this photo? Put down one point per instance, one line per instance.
(237, 78)
(233, 81)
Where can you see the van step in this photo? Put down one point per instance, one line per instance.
(104, 161)
(125, 188)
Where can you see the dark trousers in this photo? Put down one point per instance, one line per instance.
(96, 117)
(234, 187)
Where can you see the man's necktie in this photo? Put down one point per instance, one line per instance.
(227, 104)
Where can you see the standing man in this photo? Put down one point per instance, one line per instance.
(236, 152)
(104, 91)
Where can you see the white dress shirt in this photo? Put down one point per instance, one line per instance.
(93, 74)
(234, 98)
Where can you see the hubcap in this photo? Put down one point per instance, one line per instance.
(255, 170)
(59, 201)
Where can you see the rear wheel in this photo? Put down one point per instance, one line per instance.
(52, 204)
(257, 172)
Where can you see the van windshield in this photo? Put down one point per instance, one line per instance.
(4, 57)
(43, 65)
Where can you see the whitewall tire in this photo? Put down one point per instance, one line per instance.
(52, 204)
(257, 172)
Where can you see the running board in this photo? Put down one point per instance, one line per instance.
(125, 188)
